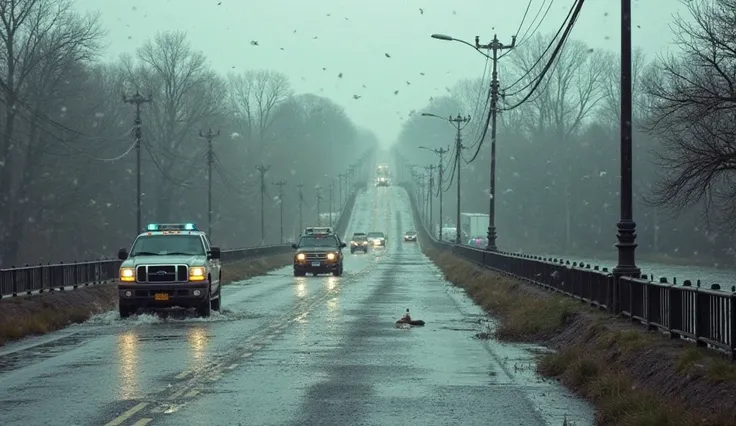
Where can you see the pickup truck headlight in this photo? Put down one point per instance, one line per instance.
(127, 274)
(330, 256)
(197, 273)
(301, 256)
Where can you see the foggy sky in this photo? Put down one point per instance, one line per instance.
(355, 46)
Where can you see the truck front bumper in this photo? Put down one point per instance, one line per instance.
(162, 295)
(320, 267)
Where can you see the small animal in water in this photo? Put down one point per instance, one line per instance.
(406, 319)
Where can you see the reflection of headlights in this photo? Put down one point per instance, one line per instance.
(127, 274)
(365, 243)
(300, 256)
(330, 256)
(196, 273)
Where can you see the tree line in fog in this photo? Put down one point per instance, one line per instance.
(68, 159)
(557, 187)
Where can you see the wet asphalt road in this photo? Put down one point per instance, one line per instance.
(313, 350)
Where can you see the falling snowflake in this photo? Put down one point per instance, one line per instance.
(99, 114)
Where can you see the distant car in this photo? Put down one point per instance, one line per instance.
(359, 242)
(478, 242)
(410, 236)
(318, 254)
(377, 239)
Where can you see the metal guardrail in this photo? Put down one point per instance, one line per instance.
(63, 276)
(705, 316)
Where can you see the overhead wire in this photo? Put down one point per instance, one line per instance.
(549, 64)
(544, 53)
(75, 149)
(164, 172)
(41, 115)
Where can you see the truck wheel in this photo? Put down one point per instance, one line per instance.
(126, 311)
(205, 308)
(217, 303)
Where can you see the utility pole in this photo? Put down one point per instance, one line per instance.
(319, 197)
(340, 178)
(138, 100)
(495, 46)
(262, 169)
(301, 204)
(281, 184)
(210, 160)
(430, 169)
(457, 122)
(441, 153)
(332, 187)
(626, 226)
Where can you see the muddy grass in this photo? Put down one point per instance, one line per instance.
(632, 376)
(47, 312)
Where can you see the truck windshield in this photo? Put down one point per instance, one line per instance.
(375, 235)
(161, 245)
(318, 242)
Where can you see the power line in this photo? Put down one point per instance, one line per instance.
(524, 37)
(544, 54)
(561, 43)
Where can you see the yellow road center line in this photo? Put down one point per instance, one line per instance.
(128, 414)
(232, 367)
(182, 375)
(177, 394)
(247, 355)
(142, 422)
(192, 394)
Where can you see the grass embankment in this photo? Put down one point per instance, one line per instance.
(632, 376)
(47, 312)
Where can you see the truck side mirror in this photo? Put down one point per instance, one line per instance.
(122, 254)
(343, 245)
(214, 253)
(293, 246)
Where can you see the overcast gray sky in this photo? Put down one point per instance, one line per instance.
(354, 37)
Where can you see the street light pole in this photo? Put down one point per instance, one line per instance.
(626, 226)
(494, 46)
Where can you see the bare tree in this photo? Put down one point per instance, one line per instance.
(555, 114)
(610, 106)
(693, 115)
(45, 45)
(254, 97)
(187, 95)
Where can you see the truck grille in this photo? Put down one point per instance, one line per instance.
(316, 256)
(162, 273)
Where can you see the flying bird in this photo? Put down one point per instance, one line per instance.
(396, 92)
(387, 55)
(356, 96)
(421, 73)
(253, 43)
(339, 75)
(421, 11)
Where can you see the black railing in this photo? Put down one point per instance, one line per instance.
(705, 316)
(68, 276)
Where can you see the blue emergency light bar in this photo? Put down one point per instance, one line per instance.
(171, 227)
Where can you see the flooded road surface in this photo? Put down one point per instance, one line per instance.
(286, 350)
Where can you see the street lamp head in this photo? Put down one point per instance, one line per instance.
(442, 37)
